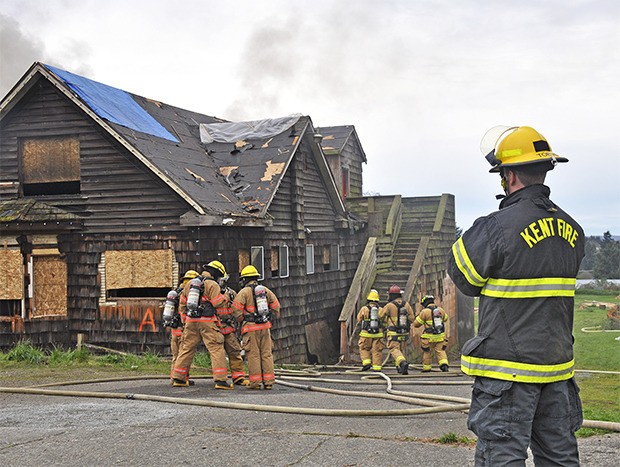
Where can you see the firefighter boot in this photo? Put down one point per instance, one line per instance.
(223, 385)
(366, 367)
(241, 381)
(179, 383)
(403, 368)
(444, 367)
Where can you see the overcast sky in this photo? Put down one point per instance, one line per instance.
(421, 81)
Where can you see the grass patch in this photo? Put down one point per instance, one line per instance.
(453, 438)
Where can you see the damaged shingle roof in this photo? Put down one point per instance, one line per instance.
(237, 178)
(336, 137)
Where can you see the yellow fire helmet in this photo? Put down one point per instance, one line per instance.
(505, 146)
(217, 265)
(190, 274)
(249, 271)
(373, 296)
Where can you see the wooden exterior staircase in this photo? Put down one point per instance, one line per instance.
(410, 239)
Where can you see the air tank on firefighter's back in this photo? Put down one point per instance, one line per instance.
(171, 305)
(193, 296)
(262, 307)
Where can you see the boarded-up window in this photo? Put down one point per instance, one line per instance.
(138, 273)
(275, 261)
(50, 166)
(49, 279)
(331, 257)
(11, 282)
(279, 261)
(11, 275)
(258, 260)
(244, 259)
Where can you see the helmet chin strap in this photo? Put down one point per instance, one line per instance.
(504, 185)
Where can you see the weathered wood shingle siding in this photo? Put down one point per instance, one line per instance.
(317, 297)
(118, 194)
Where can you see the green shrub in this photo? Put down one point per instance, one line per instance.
(24, 351)
(58, 356)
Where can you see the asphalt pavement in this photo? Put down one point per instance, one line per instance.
(51, 430)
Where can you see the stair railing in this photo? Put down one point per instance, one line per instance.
(360, 285)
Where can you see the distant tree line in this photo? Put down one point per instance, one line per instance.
(602, 257)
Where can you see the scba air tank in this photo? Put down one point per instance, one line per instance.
(437, 321)
(170, 307)
(374, 319)
(402, 317)
(193, 297)
(262, 306)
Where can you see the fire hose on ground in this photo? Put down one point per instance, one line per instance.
(433, 403)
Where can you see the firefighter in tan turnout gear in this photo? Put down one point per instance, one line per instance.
(371, 335)
(175, 320)
(398, 316)
(228, 328)
(199, 300)
(256, 306)
(522, 261)
(433, 338)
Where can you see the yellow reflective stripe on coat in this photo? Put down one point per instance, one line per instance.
(530, 288)
(515, 371)
(465, 265)
(372, 335)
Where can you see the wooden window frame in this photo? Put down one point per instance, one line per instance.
(309, 259)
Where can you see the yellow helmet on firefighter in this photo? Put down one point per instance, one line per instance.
(505, 146)
(249, 271)
(190, 274)
(373, 296)
(217, 266)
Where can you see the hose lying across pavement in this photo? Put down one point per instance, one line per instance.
(434, 403)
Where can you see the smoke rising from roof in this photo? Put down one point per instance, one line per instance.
(18, 51)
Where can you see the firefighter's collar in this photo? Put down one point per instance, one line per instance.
(528, 192)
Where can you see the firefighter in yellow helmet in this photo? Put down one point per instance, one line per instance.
(175, 320)
(398, 316)
(371, 335)
(256, 307)
(522, 260)
(433, 338)
(199, 300)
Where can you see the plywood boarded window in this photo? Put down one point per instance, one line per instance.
(11, 282)
(49, 280)
(244, 259)
(139, 273)
(258, 260)
(279, 261)
(50, 166)
(331, 257)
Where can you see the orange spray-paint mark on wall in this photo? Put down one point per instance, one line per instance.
(148, 318)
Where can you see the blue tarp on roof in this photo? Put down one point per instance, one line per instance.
(112, 104)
